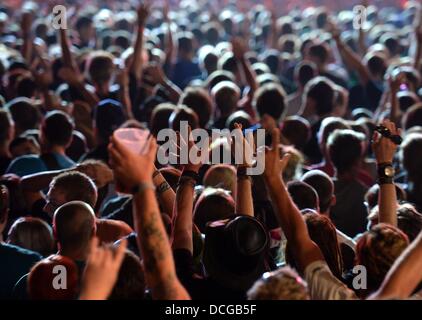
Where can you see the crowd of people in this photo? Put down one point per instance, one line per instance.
(335, 214)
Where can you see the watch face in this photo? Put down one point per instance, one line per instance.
(389, 171)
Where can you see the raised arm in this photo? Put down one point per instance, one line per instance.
(291, 221)
(156, 76)
(418, 38)
(26, 24)
(384, 150)
(164, 192)
(135, 67)
(351, 59)
(183, 208)
(244, 147)
(405, 274)
(169, 44)
(239, 48)
(134, 174)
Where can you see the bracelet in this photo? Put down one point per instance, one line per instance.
(141, 187)
(156, 173)
(242, 172)
(188, 180)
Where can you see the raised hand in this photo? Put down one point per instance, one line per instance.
(26, 23)
(192, 149)
(143, 13)
(102, 270)
(274, 163)
(239, 48)
(246, 148)
(154, 73)
(72, 76)
(383, 148)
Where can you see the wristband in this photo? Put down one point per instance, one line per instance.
(190, 174)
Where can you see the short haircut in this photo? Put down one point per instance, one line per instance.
(328, 126)
(409, 220)
(6, 123)
(226, 95)
(282, 284)
(371, 196)
(297, 130)
(83, 22)
(25, 115)
(303, 195)
(321, 91)
(212, 205)
(199, 101)
(183, 113)
(270, 99)
(345, 149)
(160, 117)
(185, 42)
(101, 67)
(74, 225)
(58, 128)
(76, 186)
(413, 117)
(319, 51)
(108, 116)
(411, 155)
(130, 284)
(219, 76)
(323, 185)
(305, 72)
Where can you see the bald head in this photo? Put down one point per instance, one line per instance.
(4, 206)
(74, 226)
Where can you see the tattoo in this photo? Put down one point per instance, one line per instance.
(156, 173)
(163, 187)
(154, 241)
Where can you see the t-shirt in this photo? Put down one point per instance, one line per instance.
(14, 263)
(30, 164)
(349, 213)
(185, 71)
(201, 288)
(323, 285)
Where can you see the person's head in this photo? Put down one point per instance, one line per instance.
(25, 114)
(304, 72)
(412, 117)
(185, 114)
(226, 95)
(160, 117)
(130, 284)
(56, 130)
(84, 27)
(319, 94)
(24, 145)
(218, 76)
(108, 116)
(7, 129)
(234, 251)
(209, 62)
(328, 126)
(32, 234)
(74, 227)
(41, 279)
(303, 195)
(4, 208)
(377, 250)
(409, 220)
(324, 187)
(70, 186)
(185, 45)
(408, 99)
(371, 196)
(282, 284)
(221, 176)
(101, 69)
(297, 131)
(345, 148)
(318, 54)
(240, 117)
(213, 204)
(411, 156)
(377, 64)
(270, 100)
(323, 232)
(199, 101)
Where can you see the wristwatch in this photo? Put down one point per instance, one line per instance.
(386, 173)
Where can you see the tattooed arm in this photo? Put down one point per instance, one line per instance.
(164, 192)
(133, 174)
